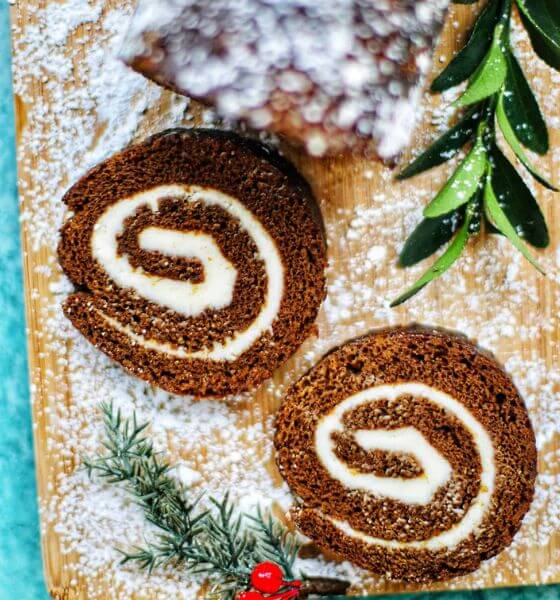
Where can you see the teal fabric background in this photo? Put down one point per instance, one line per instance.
(21, 576)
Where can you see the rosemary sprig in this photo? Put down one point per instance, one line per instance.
(225, 552)
(486, 187)
(220, 544)
(274, 542)
(131, 458)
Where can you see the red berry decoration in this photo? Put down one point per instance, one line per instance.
(267, 577)
(250, 596)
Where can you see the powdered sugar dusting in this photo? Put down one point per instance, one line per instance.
(90, 105)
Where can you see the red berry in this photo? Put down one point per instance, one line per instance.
(250, 596)
(267, 577)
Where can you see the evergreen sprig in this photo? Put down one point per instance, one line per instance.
(130, 457)
(220, 544)
(486, 188)
(274, 542)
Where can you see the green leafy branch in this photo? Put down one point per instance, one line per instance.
(220, 544)
(486, 188)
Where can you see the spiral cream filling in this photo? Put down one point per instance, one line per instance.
(436, 469)
(184, 297)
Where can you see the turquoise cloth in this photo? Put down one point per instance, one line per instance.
(21, 575)
(21, 572)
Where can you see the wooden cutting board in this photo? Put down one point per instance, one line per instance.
(366, 213)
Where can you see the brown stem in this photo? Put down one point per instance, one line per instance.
(323, 586)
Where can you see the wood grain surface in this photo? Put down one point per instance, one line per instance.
(341, 183)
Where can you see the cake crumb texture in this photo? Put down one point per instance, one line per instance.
(142, 324)
(439, 361)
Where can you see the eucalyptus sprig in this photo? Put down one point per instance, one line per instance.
(486, 188)
(220, 544)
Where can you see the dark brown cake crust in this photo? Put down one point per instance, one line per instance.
(265, 184)
(453, 365)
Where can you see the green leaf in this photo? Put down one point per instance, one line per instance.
(490, 228)
(522, 109)
(466, 61)
(443, 263)
(490, 76)
(498, 218)
(542, 21)
(518, 202)
(476, 210)
(514, 144)
(445, 147)
(465, 1)
(462, 184)
(430, 235)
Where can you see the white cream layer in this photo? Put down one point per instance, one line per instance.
(184, 297)
(419, 490)
(190, 299)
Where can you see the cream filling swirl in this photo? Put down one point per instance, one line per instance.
(184, 297)
(436, 469)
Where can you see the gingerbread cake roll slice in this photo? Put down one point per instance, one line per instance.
(410, 453)
(198, 258)
(333, 76)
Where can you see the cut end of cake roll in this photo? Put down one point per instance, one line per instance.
(334, 77)
(410, 452)
(198, 258)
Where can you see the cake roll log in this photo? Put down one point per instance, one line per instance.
(198, 258)
(410, 452)
(336, 76)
